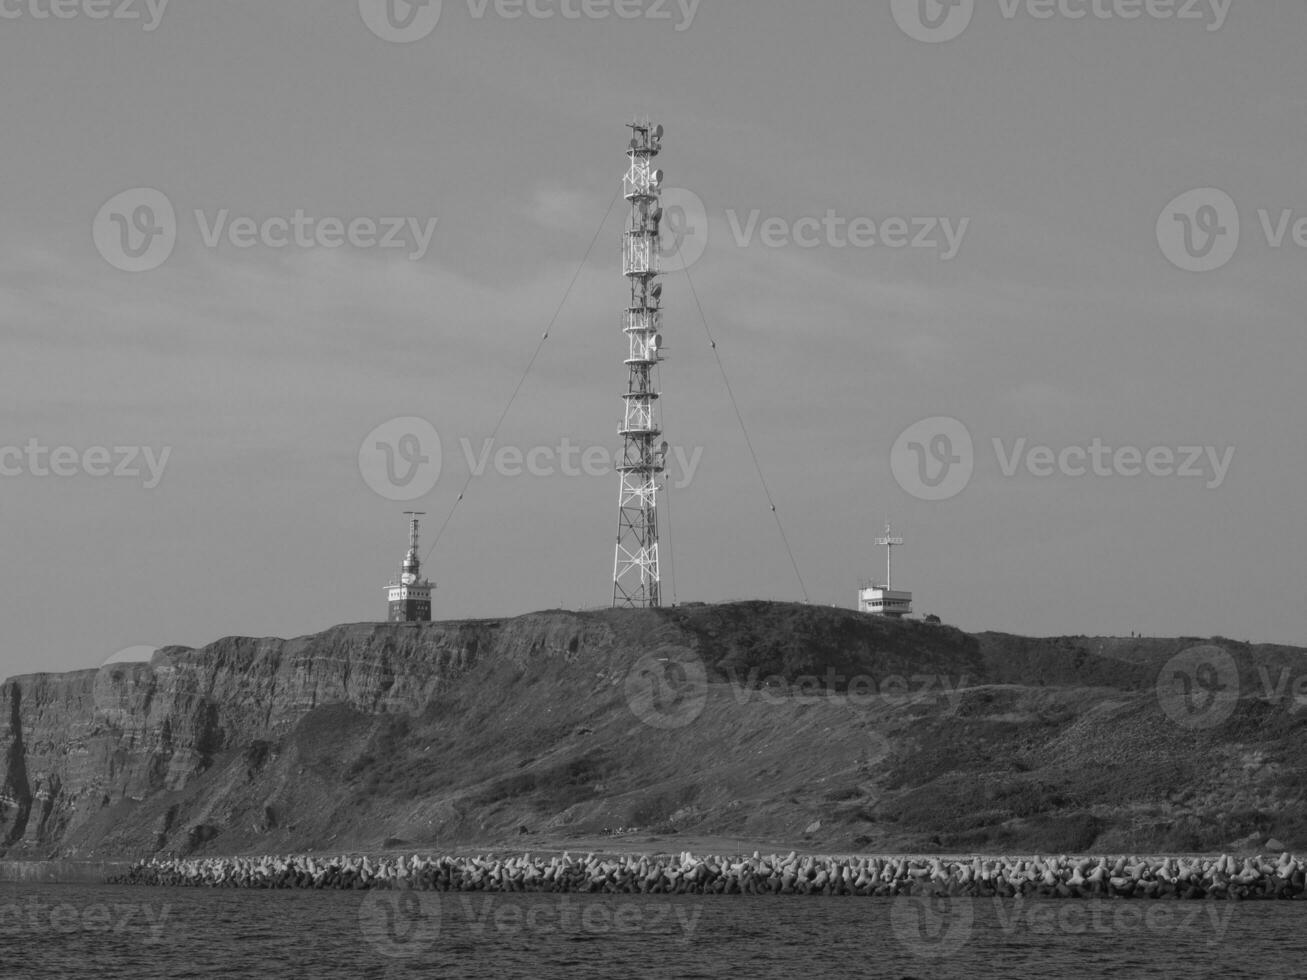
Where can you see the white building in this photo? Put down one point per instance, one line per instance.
(884, 601)
(881, 600)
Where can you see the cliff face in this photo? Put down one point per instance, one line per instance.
(77, 743)
(869, 733)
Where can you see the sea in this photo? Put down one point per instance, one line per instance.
(133, 933)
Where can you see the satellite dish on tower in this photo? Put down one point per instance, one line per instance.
(657, 216)
(658, 131)
(657, 291)
(656, 178)
(635, 143)
(663, 449)
(657, 341)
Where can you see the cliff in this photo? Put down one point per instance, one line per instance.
(818, 727)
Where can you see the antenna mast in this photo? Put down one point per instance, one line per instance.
(889, 543)
(635, 565)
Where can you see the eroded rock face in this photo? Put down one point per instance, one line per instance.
(71, 744)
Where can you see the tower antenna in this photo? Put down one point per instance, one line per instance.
(635, 565)
(409, 596)
(889, 543)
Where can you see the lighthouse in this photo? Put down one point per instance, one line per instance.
(410, 596)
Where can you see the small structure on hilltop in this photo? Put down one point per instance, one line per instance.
(410, 596)
(881, 600)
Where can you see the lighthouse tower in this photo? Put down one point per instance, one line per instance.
(410, 597)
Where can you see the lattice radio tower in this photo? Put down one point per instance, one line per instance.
(635, 567)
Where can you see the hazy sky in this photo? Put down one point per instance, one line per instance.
(1051, 146)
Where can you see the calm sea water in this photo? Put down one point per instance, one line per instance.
(112, 932)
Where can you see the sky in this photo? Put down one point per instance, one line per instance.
(1025, 279)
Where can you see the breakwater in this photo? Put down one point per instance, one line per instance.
(1223, 877)
(63, 872)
